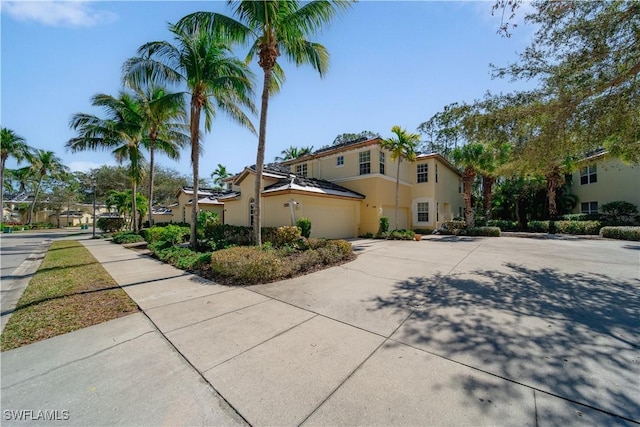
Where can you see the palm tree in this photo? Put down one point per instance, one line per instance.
(219, 174)
(14, 146)
(164, 116)
(44, 163)
(470, 158)
(402, 147)
(293, 153)
(274, 27)
(122, 131)
(496, 155)
(204, 64)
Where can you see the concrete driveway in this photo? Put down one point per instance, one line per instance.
(446, 331)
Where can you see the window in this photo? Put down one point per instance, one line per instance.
(589, 207)
(301, 169)
(340, 161)
(382, 162)
(365, 162)
(251, 205)
(588, 175)
(460, 213)
(437, 206)
(460, 189)
(423, 172)
(436, 172)
(423, 211)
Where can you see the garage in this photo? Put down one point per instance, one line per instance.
(337, 221)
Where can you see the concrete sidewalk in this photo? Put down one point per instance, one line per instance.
(404, 335)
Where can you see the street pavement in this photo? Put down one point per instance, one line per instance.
(445, 331)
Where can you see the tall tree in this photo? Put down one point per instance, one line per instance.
(402, 147)
(215, 81)
(164, 117)
(15, 146)
(293, 153)
(44, 163)
(470, 158)
(219, 174)
(347, 137)
(122, 131)
(273, 28)
(443, 132)
(586, 56)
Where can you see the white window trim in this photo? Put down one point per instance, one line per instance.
(414, 211)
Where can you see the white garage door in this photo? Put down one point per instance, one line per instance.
(335, 222)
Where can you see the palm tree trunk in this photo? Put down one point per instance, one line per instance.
(35, 198)
(397, 189)
(553, 181)
(4, 159)
(134, 207)
(487, 189)
(262, 138)
(195, 157)
(151, 178)
(467, 179)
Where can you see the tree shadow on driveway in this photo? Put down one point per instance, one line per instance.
(570, 335)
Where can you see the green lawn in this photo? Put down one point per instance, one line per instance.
(69, 291)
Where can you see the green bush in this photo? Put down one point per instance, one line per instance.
(581, 217)
(384, 225)
(454, 227)
(423, 230)
(483, 231)
(127, 237)
(578, 227)
(538, 226)
(225, 235)
(620, 213)
(287, 235)
(175, 234)
(110, 225)
(183, 258)
(159, 245)
(305, 226)
(249, 265)
(366, 236)
(153, 234)
(401, 235)
(621, 233)
(503, 225)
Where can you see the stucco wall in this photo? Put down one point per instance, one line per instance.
(617, 181)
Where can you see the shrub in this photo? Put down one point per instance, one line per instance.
(538, 226)
(384, 225)
(153, 234)
(305, 226)
(483, 231)
(581, 217)
(159, 245)
(175, 234)
(366, 236)
(110, 225)
(503, 225)
(578, 227)
(621, 233)
(249, 265)
(423, 230)
(401, 235)
(224, 235)
(453, 227)
(334, 251)
(287, 235)
(206, 218)
(620, 213)
(127, 237)
(183, 258)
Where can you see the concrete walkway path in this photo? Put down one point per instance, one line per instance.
(446, 331)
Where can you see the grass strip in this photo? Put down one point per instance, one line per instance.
(70, 291)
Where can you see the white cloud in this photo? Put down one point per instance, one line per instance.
(57, 13)
(86, 166)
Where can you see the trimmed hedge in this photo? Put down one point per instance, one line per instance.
(621, 233)
(127, 237)
(109, 225)
(183, 258)
(482, 231)
(578, 227)
(503, 225)
(249, 265)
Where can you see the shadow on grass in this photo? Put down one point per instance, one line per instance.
(570, 335)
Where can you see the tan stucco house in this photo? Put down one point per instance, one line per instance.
(602, 179)
(345, 189)
(180, 212)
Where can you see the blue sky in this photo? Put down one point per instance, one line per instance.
(391, 63)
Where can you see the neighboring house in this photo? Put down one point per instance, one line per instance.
(603, 179)
(345, 189)
(207, 201)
